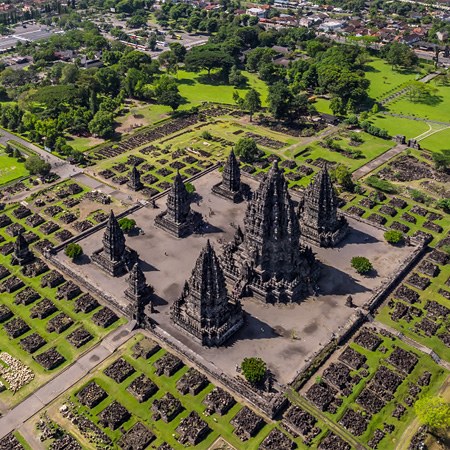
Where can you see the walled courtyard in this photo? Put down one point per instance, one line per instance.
(285, 336)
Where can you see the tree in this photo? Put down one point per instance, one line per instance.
(343, 176)
(280, 99)
(398, 54)
(37, 166)
(254, 369)
(393, 236)
(434, 412)
(441, 159)
(252, 102)
(207, 57)
(73, 250)
(246, 149)
(102, 124)
(127, 224)
(361, 264)
(152, 42)
(167, 92)
(235, 78)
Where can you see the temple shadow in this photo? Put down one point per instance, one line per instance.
(82, 260)
(357, 237)
(252, 329)
(207, 228)
(336, 282)
(157, 301)
(147, 267)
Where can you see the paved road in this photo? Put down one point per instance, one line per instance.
(66, 379)
(61, 167)
(375, 163)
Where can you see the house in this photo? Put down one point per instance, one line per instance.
(257, 12)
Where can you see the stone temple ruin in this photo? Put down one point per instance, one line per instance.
(320, 222)
(138, 293)
(230, 187)
(266, 260)
(114, 257)
(22, 255)
(204, 309)
(178, 219)
(134, 182)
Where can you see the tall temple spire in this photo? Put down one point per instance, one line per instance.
(230, 187)
(269, 261)
(113, 239)
(320, 222)
(22, 254)
(134, 183)
(114, 257)
(204, 309)
(138, 293)
(178, 219)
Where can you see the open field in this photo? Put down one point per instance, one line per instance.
(438, 141)
(398, 125)
(10, 168)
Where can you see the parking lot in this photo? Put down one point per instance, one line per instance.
(27, 33)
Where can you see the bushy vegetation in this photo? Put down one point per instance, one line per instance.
(126, 224)
(393, 236)
(381, 185)
(73, 250)
(361, 264)
(254, 369)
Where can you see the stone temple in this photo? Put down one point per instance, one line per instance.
(22, 254)
(230, 187)
(178, 219)
(134, 182)
(320, 223)
(266, 259)
(138, 293)
(114, 257)
(204, 309)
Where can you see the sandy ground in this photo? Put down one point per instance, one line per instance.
(285, 336)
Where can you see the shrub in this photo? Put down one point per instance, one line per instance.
(37, 166)
(206, 135)
(127, 224)
(382, 185)
(361, 264)
(246, 149)
(73, 250)
(393, 236)
(254, 369)
(444, 204)
(190, 188)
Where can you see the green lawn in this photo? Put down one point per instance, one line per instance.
(437, 141)
(10, 169)
(323, 106)
(436, 107)
(384, 80)
(196, 92)
(398, 125)
(370, 148)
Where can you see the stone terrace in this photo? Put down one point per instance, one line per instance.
(168, 262)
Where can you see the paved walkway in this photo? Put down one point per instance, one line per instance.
(59, 166)
(66, 379)
(377, 162)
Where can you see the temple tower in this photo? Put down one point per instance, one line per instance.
(178, 219)
(138, 294)
(134, 183)
(114, 257)
(204, 309)
(230, 187)
(22, 254)
(268, 261)
(320, 222)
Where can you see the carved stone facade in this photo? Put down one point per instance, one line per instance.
(266, 260)
(138, 294)
(178, 219)
(134, 183)
(114, 257)
(204, 309)
(22, 255)
(230, 187)
(320, 223)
